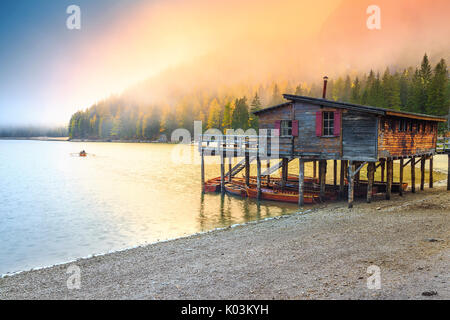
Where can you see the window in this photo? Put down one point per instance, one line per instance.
(328, 123)
(286, 128)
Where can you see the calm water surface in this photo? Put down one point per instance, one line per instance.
(55, 207)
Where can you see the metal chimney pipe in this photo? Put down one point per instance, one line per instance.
(325, 81)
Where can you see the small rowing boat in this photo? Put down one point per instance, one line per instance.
(283, 196)
(235, 190)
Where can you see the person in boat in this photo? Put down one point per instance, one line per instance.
(83, 153)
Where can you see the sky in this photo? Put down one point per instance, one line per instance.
(48, 72)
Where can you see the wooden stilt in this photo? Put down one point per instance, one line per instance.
(448, 172)
(335, 172)
(203, 170)
(400, 190)
(351, 169)
(222, 172)
(358, 174)
(370, 178)
(383, 167)
(314, 169)
(247, 169)
(322, 178)
(413, 175)
(342, 180)
(268, 167)
(258, 176)
(422, 173)
(229, 168)
(301, 182)
(430, 183)
(389, 174)
(284, 172)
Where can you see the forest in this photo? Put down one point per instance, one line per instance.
(422, 89)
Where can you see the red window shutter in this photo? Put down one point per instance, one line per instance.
(277, 127)
(295, 128)
(319, 123)
(337, 123)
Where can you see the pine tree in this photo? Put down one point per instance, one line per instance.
(240, 114)
(276, 96)
(227, 112)
(438, 100)
(214, 118)
(254, 106)
(391, 91)
(355, 96)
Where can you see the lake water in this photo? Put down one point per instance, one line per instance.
(55, 207)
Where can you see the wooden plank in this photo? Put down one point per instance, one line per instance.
(400, 190)
(370, 179)
(413, 175)
(350, 184)
(301, 183)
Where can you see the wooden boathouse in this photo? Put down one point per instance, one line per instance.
(316, 130)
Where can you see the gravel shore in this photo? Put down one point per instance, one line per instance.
(323, 254)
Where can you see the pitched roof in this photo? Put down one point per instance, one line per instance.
(352, 106)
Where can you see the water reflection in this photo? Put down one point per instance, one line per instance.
(59, 208)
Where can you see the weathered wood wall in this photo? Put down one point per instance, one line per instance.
(307, 143)
(392, 143)
(359, 136)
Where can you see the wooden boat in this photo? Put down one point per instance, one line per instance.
(281, 196)
(212, 185)
(235, 190)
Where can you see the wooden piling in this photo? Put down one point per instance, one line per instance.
(422, 173)
(247, 169)
(342, 179)
(258, 176)
(314, 169)
(301, 182)
(284, 172)
(383, 167)
(335, 172)
(370, 178)
(230, 159)
(413, 175)
(430, 182)
(222, 172)
(389, 175)
(448, 172)
(350, 184)
(322, 178)
(268, 167)
(203, 170)
(400, 190)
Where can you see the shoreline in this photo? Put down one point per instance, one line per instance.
(298, 256)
